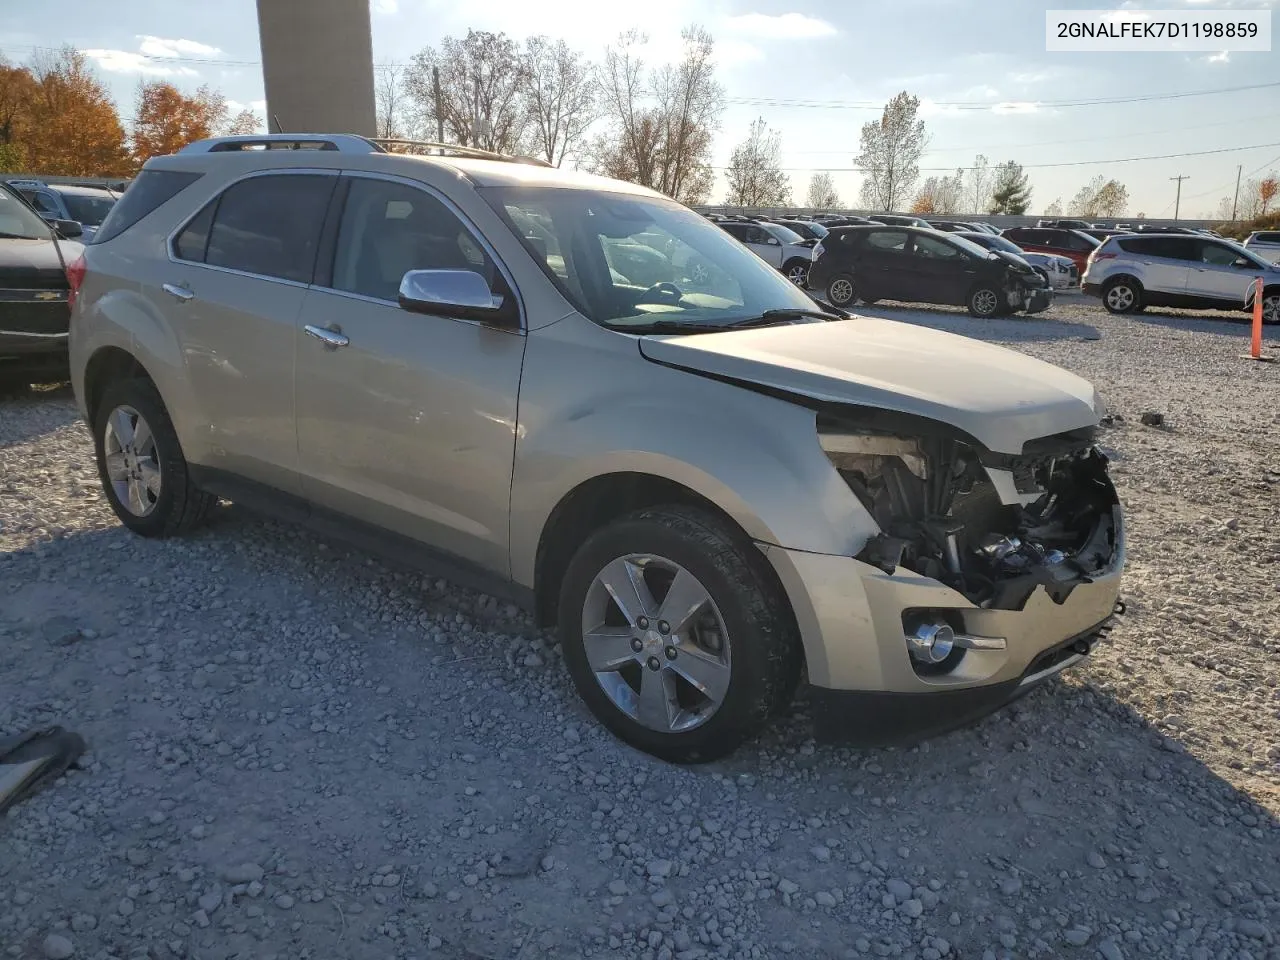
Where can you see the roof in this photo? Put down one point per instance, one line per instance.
(500, 173)
(80, 191)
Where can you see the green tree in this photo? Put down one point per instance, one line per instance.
(1011, 193)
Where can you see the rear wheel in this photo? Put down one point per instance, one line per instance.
(1122, 295)
(140, 463)
(675, 636)
(984, 301)
(841, 290)
(797, 271)
(1271, 306)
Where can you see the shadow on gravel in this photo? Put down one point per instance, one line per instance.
(54, 407)
(1224, 324)
(1002, 330)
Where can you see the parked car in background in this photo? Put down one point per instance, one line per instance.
(711, 493)
(34, 293)
(893, 219)
(1058, 272)
(1136, 271)
(1265, 243)
(87, 206)
(775, 244)
(1073, 244)
(955, 226)
(830, 222)
(1065, 224)
(924, 266)
(807, 229)
(1101, 233)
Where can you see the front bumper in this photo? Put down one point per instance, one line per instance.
(850, 616)
(1037, 301)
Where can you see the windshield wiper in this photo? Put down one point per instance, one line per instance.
(670, 326)
(785, 315)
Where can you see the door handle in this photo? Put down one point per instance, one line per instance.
(177, 292)
(330, 338)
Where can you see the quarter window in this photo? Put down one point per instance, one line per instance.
(391, 228)
(267, 225)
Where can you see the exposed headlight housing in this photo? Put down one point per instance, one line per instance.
(853, 451)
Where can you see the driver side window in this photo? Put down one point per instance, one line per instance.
(931, 248)
(1216, 255)
(389, 228)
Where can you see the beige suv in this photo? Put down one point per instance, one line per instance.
(576, 393)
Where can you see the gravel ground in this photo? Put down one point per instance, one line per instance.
(297, 751)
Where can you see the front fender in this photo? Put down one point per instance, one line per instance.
(756, 457)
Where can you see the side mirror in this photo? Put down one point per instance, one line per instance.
(1240, 263)
(68, 228)
(774, 242)
(462, 294)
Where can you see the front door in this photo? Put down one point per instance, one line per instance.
(884, 268)
(1214, 276)
(942, 271)
(242, 265)
(411, 424)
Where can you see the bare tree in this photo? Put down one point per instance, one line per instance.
(482, 102)
(939, 195)
(561, 92)
(755, 170)
(665, 146)
(1054, 209)
(244, 122)
(1100, 197)
(977, 184)
(891, 151)
(822, 192)
(389, 101)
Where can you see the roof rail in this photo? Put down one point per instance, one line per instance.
(429, 147)
(341, 142)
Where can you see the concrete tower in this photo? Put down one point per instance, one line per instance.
(317, 66)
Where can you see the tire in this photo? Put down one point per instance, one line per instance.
(984, 301)
(748, 652)
(155, 496)
(797, 271)
(1122, 295)
(842, 290)
(1271, 307)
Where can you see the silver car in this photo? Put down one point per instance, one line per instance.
(1131, 273)
(710, 484)
(776, 245)
(1265, 243)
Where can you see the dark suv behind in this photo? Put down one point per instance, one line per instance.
(923, 266)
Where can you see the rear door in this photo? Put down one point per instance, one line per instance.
(1161, 263)
(941, 271)
(886, 267)
(1214, 274)
(239, 270)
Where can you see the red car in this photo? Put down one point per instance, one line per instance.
(1073, 244)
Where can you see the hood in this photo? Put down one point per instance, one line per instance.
(36, 264)
(1000, 397)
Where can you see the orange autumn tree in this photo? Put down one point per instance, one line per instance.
(63, 121)
(1267, 190)
(17, 90)
(166, 120)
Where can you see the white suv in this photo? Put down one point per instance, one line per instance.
(776, 245)
(709, 486)
(1265, 243)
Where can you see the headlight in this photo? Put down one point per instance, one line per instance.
(854, 451)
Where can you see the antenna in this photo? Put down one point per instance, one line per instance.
(275, 118)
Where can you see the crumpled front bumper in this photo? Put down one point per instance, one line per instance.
(1037, 301)
(850, 616)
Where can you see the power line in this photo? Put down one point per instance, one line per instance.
(1041, 166)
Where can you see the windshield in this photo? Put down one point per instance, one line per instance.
(627, 262)
(19, 221)
(992, 242)
(1249, 255)
(785, 234)
(968, 246)
(89, 209)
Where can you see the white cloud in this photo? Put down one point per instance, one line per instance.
(1222, 56)
(387, 7)
(161, 47)
(784, 26)
(125, 61)
(257, 106)
(931, 108)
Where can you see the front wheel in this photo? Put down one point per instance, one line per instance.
(841, 290)
(675, 635)
(140, 463)
(984, 301)
(1271, 307)
(797, 271)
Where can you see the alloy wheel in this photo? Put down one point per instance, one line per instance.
(841, 292)
(656, 643)
(798, 275)
(1271, 308)
(133, 466)
(1120, 298)
(985, 302)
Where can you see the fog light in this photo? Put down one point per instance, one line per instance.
(931, 642)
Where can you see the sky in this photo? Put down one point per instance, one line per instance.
(986, 83)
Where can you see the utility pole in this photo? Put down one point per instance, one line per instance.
(1236, 199)
(1177, 204)
(435, 80)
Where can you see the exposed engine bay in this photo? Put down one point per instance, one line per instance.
(991, 526)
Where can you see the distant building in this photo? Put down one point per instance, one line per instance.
(317, 66)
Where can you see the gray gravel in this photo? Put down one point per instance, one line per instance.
(298, 751)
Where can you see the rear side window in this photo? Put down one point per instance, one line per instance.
(888, 240)
(269, 226)
(149, 190)
(1268, 238)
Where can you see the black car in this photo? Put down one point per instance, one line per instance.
(850, 221)
(809, 229)
(924, 266)
(895, 220)
(35, 293)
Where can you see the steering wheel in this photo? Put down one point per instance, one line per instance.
(664, 291)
